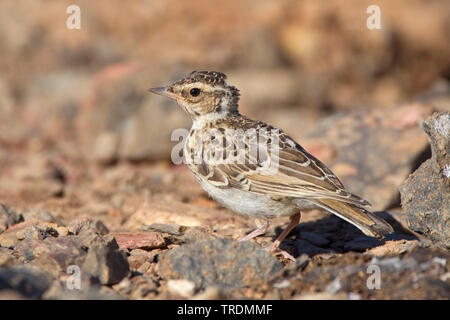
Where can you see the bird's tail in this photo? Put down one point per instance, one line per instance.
(363, 219)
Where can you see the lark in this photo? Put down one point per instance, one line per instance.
(255, 169)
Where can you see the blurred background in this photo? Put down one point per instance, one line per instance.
(74, 103)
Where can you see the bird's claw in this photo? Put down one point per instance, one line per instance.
(285, 254)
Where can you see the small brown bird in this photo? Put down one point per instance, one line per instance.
(255, 169)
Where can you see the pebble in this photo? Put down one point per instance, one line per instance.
(182, 287)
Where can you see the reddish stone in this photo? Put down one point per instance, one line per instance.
(148, 240)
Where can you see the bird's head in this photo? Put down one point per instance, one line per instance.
(203, 93)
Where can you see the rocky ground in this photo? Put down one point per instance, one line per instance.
(148, 231)
(91, 206)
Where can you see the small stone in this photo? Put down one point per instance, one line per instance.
(89, 237)
(195, 234)
(282, 284)
(136, 261)
(445, 277)
(79, 225)
(105, 262)
(140, 287)
(440, 261)
(124, 286)
(31, 233)
(425, 195)
(8, 217)
(29, 281)
(393, 247)
(99, 226)
(139, 252)
(172, 229)
(38, 214)
(62, 231)
(7, 260)
(76, 225)
(183, 288)
(145, 267)
(53, 255)
(210, 293)
(181, 234)
(37, 230)
(8, 240)
(11, 237)
(334, 286)
(149, 240)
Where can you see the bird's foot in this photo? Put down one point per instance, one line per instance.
(277, 250)
(261, 230)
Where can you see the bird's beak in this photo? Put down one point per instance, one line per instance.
(163, 91)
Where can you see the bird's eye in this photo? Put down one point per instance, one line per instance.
(194, 92)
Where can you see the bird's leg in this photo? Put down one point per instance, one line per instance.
(261, 230)
(295, 219)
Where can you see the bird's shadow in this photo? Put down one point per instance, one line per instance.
(334, 235)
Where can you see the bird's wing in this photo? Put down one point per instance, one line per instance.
(285, 171)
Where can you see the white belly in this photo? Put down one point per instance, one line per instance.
(248, 203)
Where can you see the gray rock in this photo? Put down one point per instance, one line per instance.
(89, 237)
(172, 229)
(425, 195)
(7, 260)
(53, 255)
(353, 272)
(8, 217)
(32, 233)
(220, 262)
(195, 234)
(30, 281)
(106, 262)
(181, 234)
(138, 287)
(80, 225)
